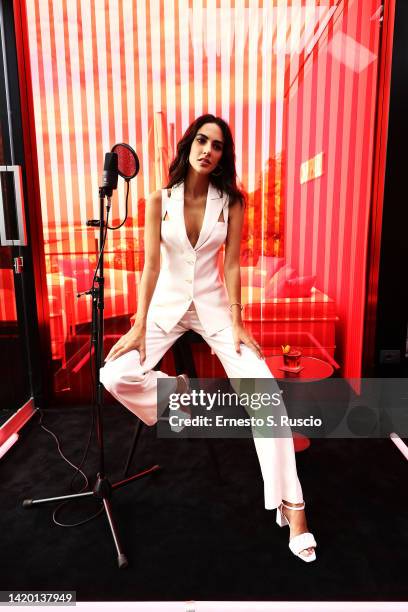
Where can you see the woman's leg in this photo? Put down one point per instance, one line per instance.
(135, 384)
(276, 455)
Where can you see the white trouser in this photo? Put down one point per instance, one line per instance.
(135, 386)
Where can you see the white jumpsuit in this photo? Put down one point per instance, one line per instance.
(190, 295)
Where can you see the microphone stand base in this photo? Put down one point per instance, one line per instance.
(102, 491)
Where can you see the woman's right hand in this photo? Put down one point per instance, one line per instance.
(135, 338)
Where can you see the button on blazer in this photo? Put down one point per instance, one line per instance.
(191, 274)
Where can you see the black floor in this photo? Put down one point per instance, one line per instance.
(187, 535)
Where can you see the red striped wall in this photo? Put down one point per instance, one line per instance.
(331, 109)
(292, 78)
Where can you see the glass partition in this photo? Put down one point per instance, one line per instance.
(16, 376)
(297, 82)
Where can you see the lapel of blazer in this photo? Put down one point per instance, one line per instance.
(177, 198)
(213, 208)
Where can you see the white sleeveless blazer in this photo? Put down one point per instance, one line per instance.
(190, 274)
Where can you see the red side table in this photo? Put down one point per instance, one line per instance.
(313, 369)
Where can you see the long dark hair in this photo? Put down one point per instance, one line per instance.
(226, 181)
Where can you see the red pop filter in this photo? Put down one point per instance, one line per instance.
(128, 162)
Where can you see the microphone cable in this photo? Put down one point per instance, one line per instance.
(126, 210)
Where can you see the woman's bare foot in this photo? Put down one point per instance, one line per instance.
(297, 523)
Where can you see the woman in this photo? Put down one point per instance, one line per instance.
(188, 221)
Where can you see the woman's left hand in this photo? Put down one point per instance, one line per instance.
(242, 335)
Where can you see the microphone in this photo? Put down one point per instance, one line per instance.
(110, 174)
(121, 161)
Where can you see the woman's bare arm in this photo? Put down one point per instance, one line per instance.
(135, 338)
(151, 266)
(232, 270)
(232, 275)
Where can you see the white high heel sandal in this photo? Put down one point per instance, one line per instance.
(183, 412)
(300, 542)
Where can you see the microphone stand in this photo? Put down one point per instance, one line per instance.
(103, 488)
